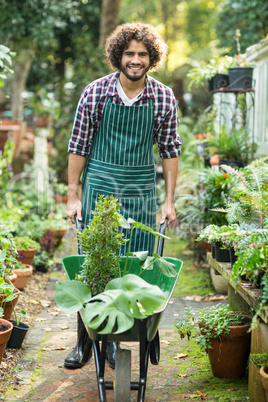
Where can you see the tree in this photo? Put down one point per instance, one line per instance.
(251, 17)
(109, 19)
(26, 27)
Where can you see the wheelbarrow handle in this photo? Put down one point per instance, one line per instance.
(160, 244)
(78, 223)
(79, 227)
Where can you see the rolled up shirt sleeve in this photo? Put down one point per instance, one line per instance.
(168, 139)
(83, 128)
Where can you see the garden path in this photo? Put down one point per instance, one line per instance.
(183, 374)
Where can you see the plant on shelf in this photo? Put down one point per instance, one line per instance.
(248, 201)
(231, 146)
(219, 329)
(126, 296)
(201, 74)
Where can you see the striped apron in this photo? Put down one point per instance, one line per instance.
(121, 163)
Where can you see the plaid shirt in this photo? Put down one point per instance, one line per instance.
(91, 104)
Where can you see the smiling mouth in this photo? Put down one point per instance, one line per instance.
(135, 68)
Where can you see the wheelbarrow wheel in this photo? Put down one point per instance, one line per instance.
(122, 386)
(155, 350)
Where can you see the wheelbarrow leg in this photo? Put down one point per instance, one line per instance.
(100, 355)
(144, 356)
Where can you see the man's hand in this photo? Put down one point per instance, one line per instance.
(168, 211)
(74, 206)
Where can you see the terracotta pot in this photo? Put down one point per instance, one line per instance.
(264, 379)
(42, 121)
(60, 199)
(4, 335)
(8, 306)
(229, 353)
(23, 276)
(11, 278)
(59, 233)
(26, 256)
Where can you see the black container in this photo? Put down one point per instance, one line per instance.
(233, 257)
(218, 81)
(241, 78)
(213, 253)
(17, 335)
(221, 255)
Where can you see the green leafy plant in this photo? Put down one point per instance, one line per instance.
(6, 170)
(8, 290)
(248, 201)
(259, 359)
(201, 74)
(8, 252)
(186, 324)
(5, 62)
(25, 242)
(217, 321)
(42, 261)
(125, 298)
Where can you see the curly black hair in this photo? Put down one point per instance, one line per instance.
(119, 40)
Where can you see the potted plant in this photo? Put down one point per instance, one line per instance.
(126, 296)
(8, 298)
(215, 72)
(258, 376)
(56, 224)
(240, 71)
(26, 248)
(224, 335)
(19, 330)
(23, 272)
(41, 261)
(5, 332)
(60, 195)
(45, 108)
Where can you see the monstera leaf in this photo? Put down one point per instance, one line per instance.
(71, 296)
(123, 300)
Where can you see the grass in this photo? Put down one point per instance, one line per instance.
(194, 277)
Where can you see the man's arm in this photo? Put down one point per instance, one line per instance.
(75, 168)
(170, 170)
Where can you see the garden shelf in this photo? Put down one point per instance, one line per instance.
(250, 294)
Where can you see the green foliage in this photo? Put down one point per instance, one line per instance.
(202, 73)
(185, 325)
(34, 22)
(25, 242)
(8, 252)
(6, 171)
(204, 193)
(248, 201)
(5, 63)
(32, 227)
(42, 259)
(260, 359)
(217, 321)
(251, 18)
(101, 243)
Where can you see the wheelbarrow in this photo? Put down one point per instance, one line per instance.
(144, 331)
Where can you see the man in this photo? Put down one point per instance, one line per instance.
(119, 117)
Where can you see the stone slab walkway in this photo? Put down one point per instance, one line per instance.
(53, 335)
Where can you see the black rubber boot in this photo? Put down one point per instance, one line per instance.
(110, 353)
(82, 352)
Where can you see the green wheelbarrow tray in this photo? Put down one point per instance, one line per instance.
(72, 266)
